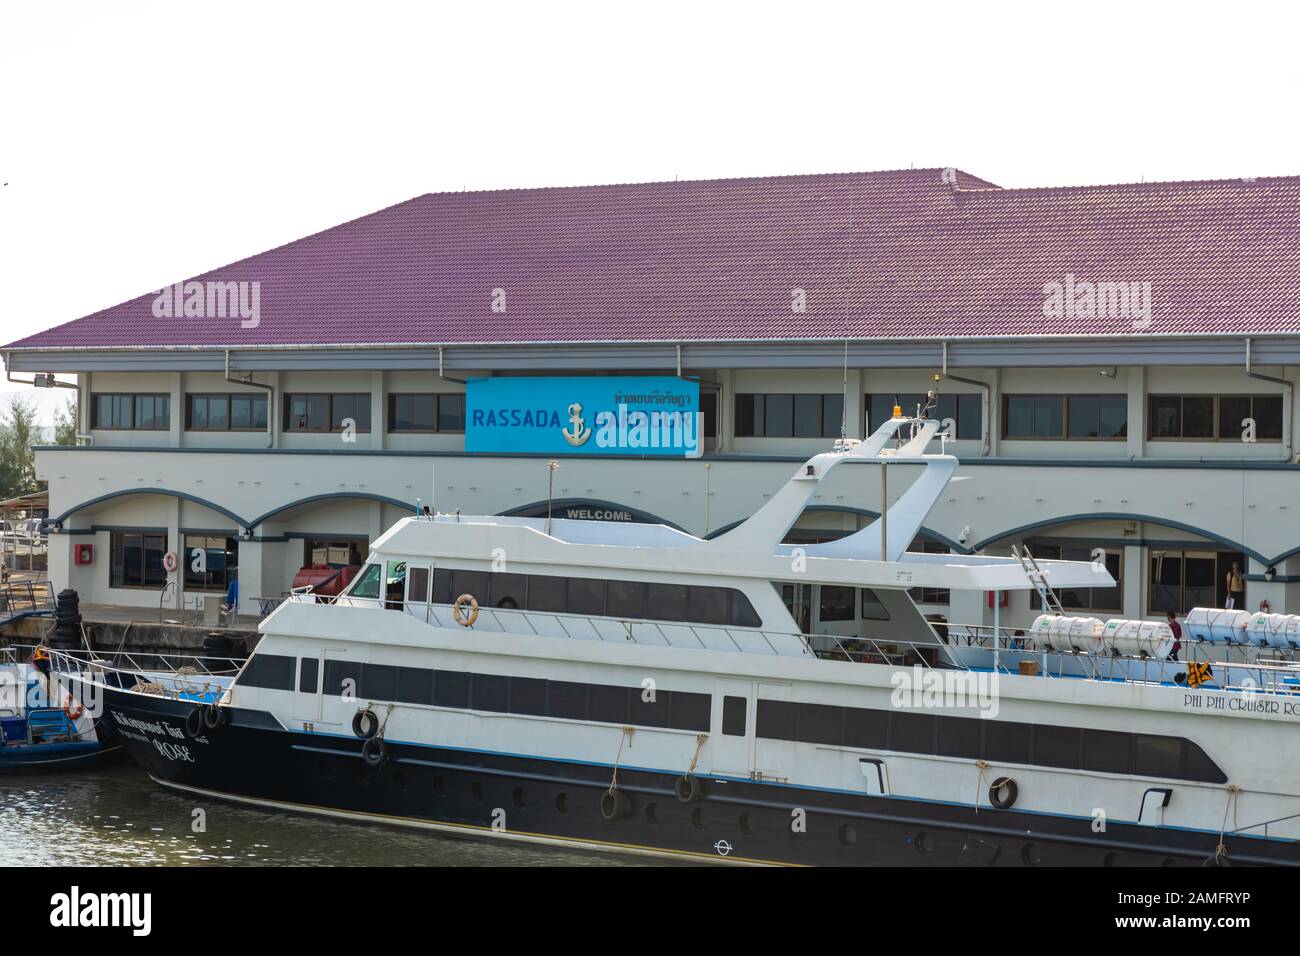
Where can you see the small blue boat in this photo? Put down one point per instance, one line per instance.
(37, 733)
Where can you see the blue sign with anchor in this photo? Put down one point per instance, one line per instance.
(589, 415)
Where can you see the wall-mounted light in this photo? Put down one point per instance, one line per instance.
(1269, 573)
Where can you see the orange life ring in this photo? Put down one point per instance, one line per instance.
(73, 708)
(169, 562)
(458, 610)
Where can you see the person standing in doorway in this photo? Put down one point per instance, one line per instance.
(1236, 587)
(1172, 620)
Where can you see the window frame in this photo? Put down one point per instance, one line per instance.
(117, 559)
(438, 399)
(1066, 398)
(757, 424)
(1217, 426)
(132, 400)
(229, 397)
(329, 397)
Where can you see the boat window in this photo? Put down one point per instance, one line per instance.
(872, 609)
(821, 724)
(836, 603)
(566, 699)
(1157, 756)
(473, 583)
(625, 599)
(959, 736)
(417, 585)
(342, 678)
(509, 590)
(528, 696)
(691, 711)
(666, 602)
(1107, 751)
(866, 728)
(607, 704)
(272, 671)
(546, 593)
(414, 685)
(451, 689)
(733, 716)
(442, 587)
(367, 583)
(1008, 742)
(973, 738)
(308, 675)
(378, 682)
(706, 605)
(489, 692)
(586, 596)
(912, 733)
(655, 712)
(1056, 746)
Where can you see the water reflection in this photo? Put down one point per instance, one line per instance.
(117, 816)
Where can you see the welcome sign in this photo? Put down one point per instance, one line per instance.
(590, 415)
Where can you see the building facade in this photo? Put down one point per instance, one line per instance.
(1115, 369)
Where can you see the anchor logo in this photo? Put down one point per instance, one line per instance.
(723, 847)
(580, 432)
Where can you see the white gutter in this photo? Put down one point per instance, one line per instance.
(270, 399)
(988, 400)
(1288, 412)
(52, 382)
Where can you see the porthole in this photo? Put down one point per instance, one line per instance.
(477, 791)
(518, 796)
(399, 778)
(651, 813)
(745, 826)
(1029, 855)
(848, 835)
(562, 802)
(1110, 859)
(924, 844)
(439, 787)
(697, 818)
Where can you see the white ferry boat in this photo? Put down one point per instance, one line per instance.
(638, 689)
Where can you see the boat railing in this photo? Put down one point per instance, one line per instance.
(134, 662)
(1009, 648)
(23, 598)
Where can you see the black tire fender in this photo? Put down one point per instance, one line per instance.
(374, 752)
(688, 788)
(365, 724)
(213, 717)
(194, 722)
(1003, 793)
(614, 805)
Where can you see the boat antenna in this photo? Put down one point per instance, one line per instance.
(550, 490)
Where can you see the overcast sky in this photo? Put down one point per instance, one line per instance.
(141, 143)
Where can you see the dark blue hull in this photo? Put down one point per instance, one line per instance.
(25, 758)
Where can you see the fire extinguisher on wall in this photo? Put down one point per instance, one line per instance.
(1004, 598)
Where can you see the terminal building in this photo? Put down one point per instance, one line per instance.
(1115, 368)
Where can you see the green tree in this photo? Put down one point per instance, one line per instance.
(17, 462)
(65, 423)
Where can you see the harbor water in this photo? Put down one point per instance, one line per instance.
(117, 816)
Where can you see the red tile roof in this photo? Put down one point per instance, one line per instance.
(913, 253)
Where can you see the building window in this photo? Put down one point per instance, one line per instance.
(222, 413)
(1182, 580)
(964, 410)
(326, 413)
(1073, 417)
(1108, 600)
(127, 412)
(1214, 417)
(929, 595)
(1097, 416)
(136, 559)
(209, 562)
(337, 554)
(426, 412)
(789, 416)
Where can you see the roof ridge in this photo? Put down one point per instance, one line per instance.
(1160, 183)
